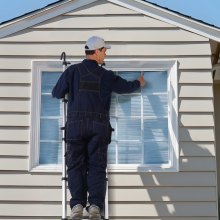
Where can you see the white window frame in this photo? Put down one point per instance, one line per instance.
(170, 66)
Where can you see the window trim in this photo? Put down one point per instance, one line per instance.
(169, 65)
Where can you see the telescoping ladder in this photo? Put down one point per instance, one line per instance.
(64, 148)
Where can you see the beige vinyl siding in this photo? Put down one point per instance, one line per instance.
(150, 218)
(15, 77)
(185, 63)
(120, 180)
(15, 105)
(151, 49)
(168, 209)
(196, 120)
(114, 35)
(14, 149)
(189, 194)
(178, 194)
(20, 120)
(199, 149)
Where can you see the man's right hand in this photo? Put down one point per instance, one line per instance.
(142, 81)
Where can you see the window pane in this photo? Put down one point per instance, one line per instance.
(156, 129)
(113, 105)
(112, 153)
(50, 153)
(129, 105)
(156, 152)
(50, 106)
(129, 153)
(113, 124)
(156, 82)
(50, 129)
(155, 105)
(129, 129)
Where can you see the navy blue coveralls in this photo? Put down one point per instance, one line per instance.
(88, 130)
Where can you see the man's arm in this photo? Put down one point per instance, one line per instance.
(121, 85)
(62, 86)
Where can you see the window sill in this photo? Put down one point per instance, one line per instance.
(47, 169)
(126, 168)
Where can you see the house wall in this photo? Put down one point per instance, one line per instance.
(189, 194)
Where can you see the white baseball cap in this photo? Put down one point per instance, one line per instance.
(94, 43)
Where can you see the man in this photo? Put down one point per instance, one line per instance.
(88, 130)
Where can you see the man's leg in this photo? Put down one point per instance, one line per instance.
(77, 173)
(96, 179)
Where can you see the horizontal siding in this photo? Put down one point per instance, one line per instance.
(120, 210)
(199, 149)
(14, 163)
(103, 8)
(198, 164)
(14, 134)
(14, 120)
(14, 149)
(197, 179)
(196, 134)
(170, 209)
(184, 62)
(203, 91)
(126, 21)
(127, 218)
(195, 77)
(197, 120)
(15, 77)
(29, 179)
(166, 194)
(162, 218)
(113, 36)
(122, 218)
(163, 179)
(131, 49)
(16, 91)
(196, 105)
(14, 105)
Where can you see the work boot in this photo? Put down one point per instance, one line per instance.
(77, 212)
(94, 212)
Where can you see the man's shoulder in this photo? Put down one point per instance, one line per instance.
(73, 67)
(106, 71)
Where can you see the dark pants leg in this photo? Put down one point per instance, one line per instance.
(97, 163)
(87, 161)
(77, 172)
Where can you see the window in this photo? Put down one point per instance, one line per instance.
(145, 122)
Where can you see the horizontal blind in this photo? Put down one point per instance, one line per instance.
(50, 121)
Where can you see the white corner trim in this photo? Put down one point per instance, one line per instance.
(41, 16)
(170, 17)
